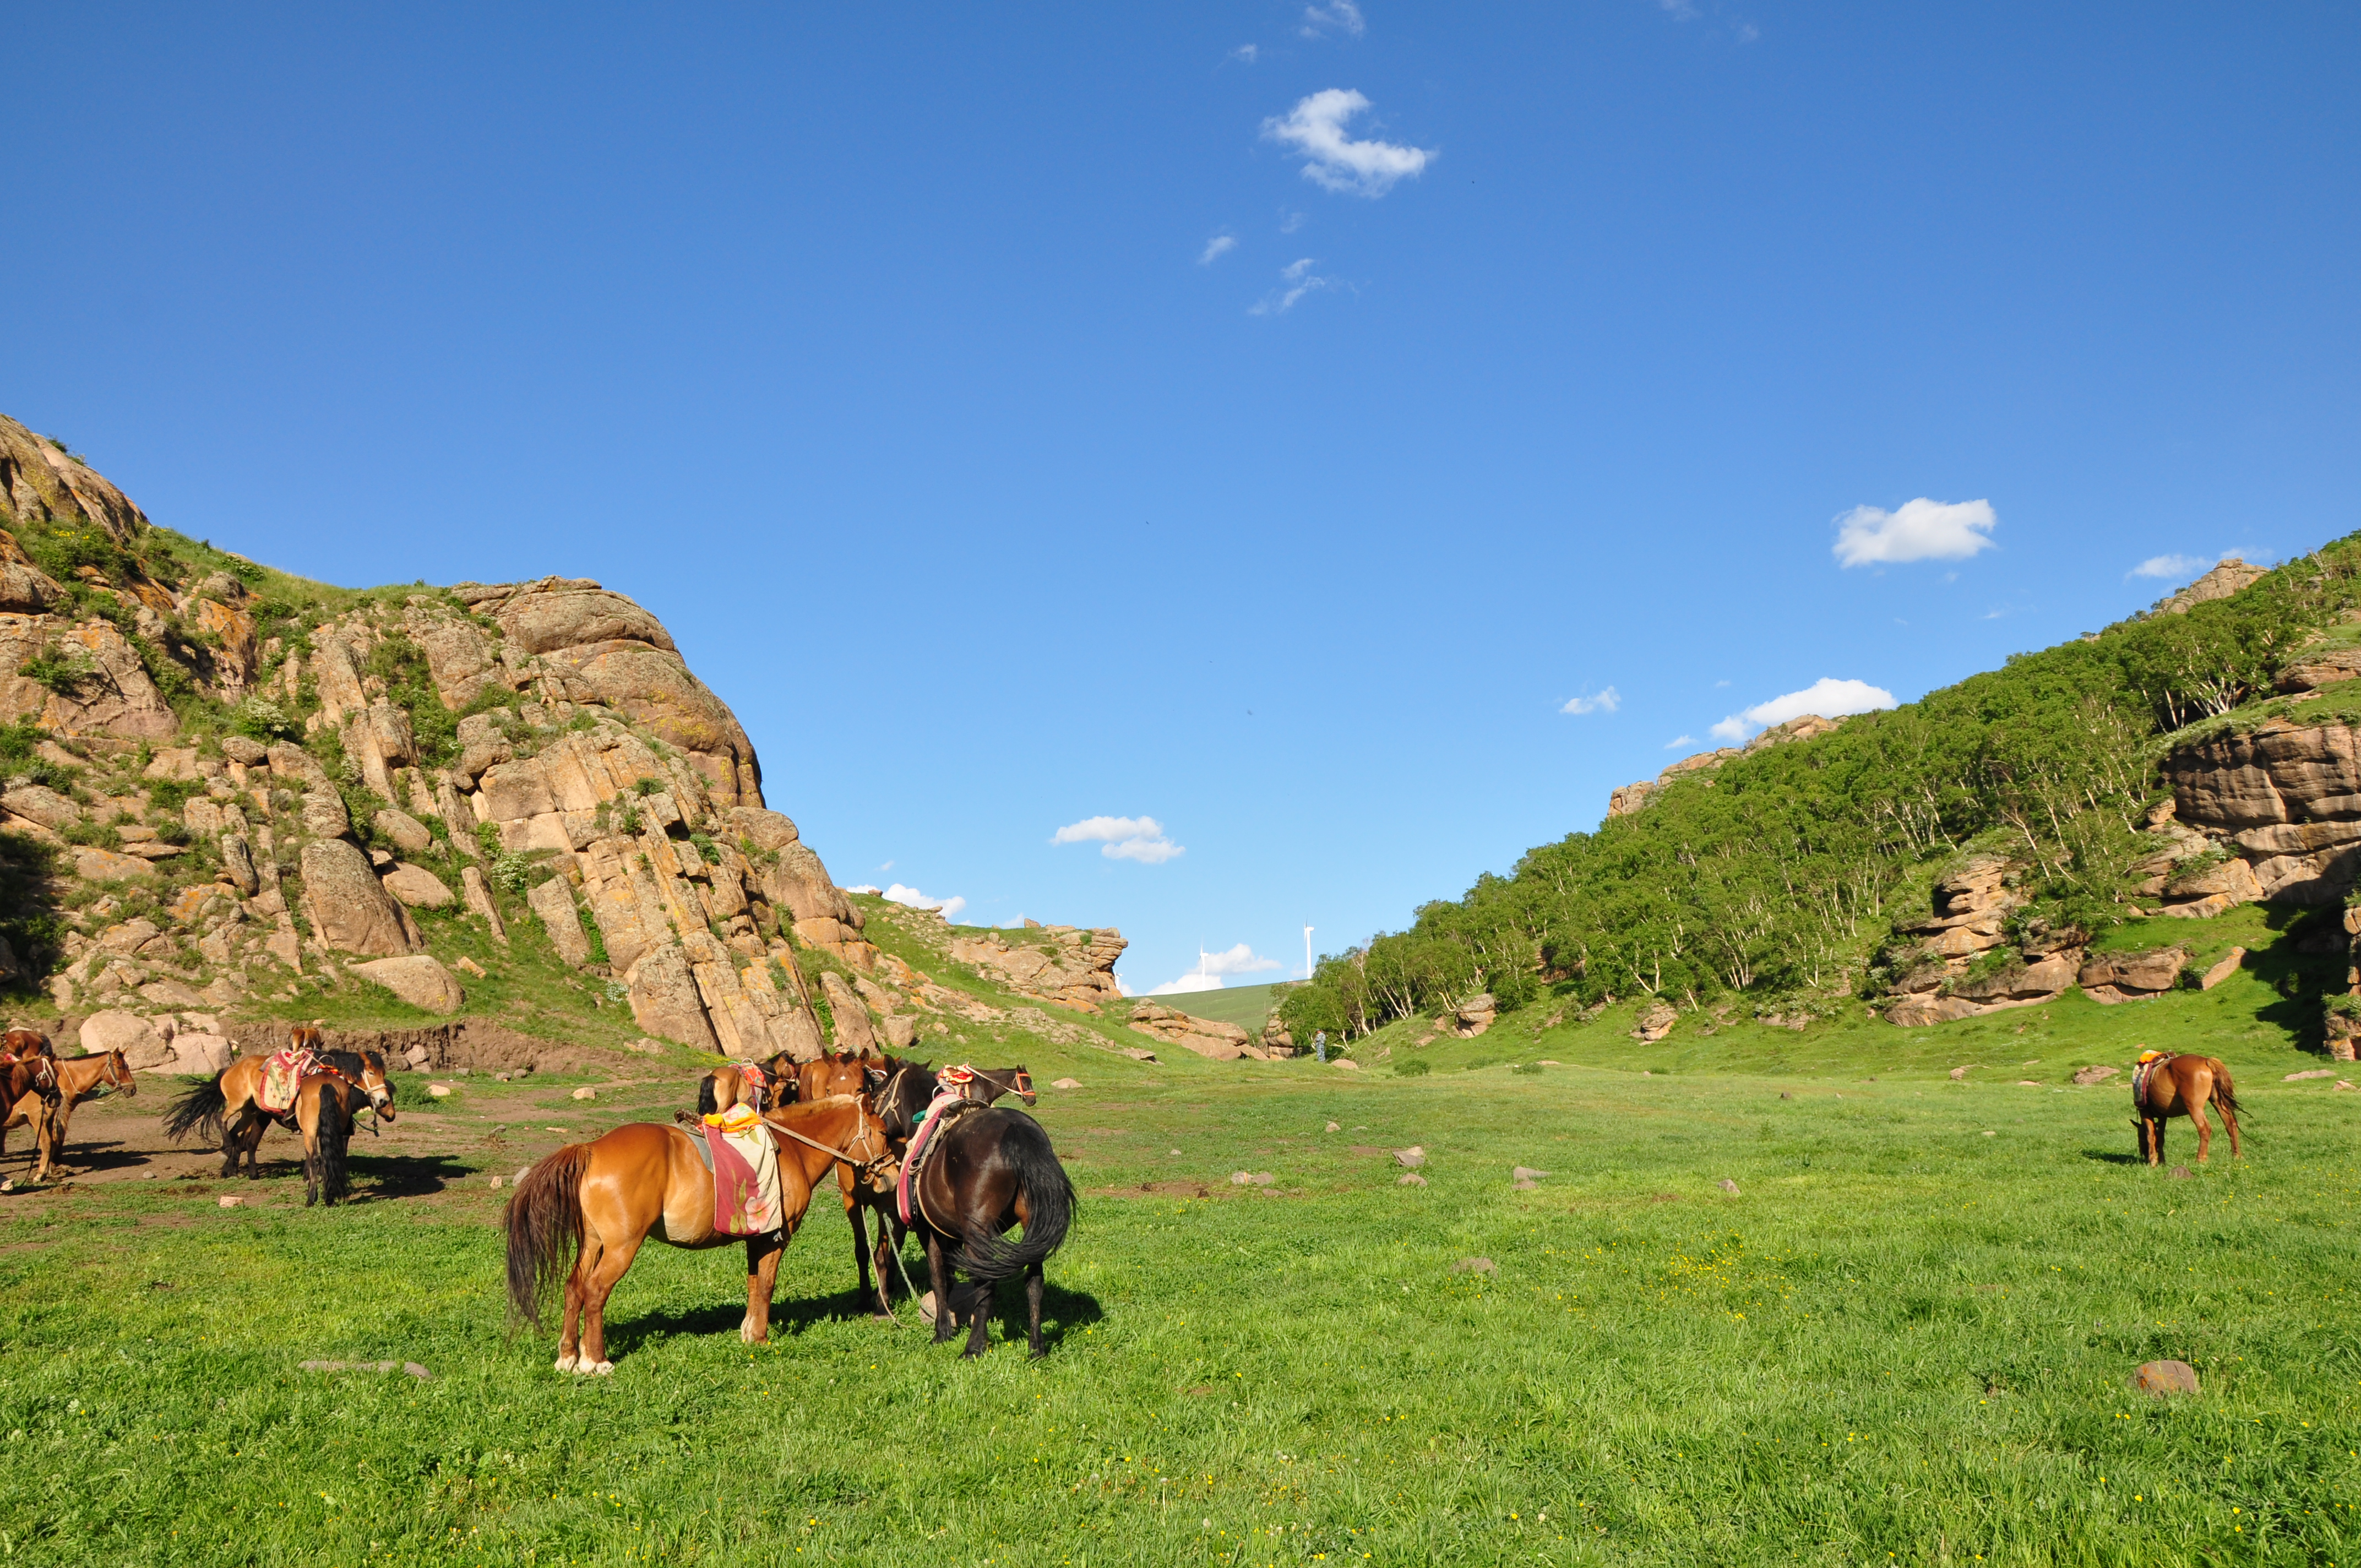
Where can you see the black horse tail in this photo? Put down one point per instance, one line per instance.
(332, 1130)
(1049, 1201)
(545, 1225)
(199, 1108)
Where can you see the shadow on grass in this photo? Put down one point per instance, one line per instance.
(1062, 1311)
(401, 1176)
(2109, 1157)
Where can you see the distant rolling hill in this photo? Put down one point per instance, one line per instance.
(1245, 1006)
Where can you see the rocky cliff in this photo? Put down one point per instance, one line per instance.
(256, 790)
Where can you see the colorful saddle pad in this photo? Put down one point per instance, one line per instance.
(281, 1071)
(745, 1162)
(950, 1099)
(2143, 1071)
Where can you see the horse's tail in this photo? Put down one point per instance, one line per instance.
(200, 1108)
(1048, 1202)
(707, 1103)
(2226, 1094)
(545, 1223)
(330, 1132)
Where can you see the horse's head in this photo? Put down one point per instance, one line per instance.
(16, 1045)
(305, 1036)
(1020, 1084)
(116, 1074)
(367, 1069)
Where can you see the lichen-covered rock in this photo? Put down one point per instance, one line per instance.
(349, 909)
(324, 814)
(112, 696)
(418, 979)
(664, 1002)
(416, 886)
(850, 1013)
(407, 834)
(39, 483)
(552, 906)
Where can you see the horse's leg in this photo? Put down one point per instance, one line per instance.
(1033, 1281)
(889, 1243)
(860, 1241)
(613, 1263)
(762, 1253)
(938, 1280)
(2204, 1128)
(979, 1334)
(2230, 1120)
(577, 1293)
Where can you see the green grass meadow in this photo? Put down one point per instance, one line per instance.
(1905, 1338)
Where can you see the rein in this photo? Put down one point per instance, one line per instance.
(870, 1126)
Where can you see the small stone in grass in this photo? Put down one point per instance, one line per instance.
(2315, 1072)
(1412, 1157)
(1524, 1187)
(1785, 1094)
(1347, 1064)
(440, 1091)
(2343, 1083)
(1333, 1127)
(1959, 1073)
(1730, 1187)
(1476, 1265)
(1546, 1062)
(586, 1092)
(2160, 1378)
(496, 1182)
(1409, 1179)
(2183, 1173)
(230, 1202)
(1526, 1173)
(1991, 1135)
(1067, 1083)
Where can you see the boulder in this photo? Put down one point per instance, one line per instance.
(554, 614)
(144, 1047)
(664, 1001)
(764, 830)
(42, 804)
(479, 895)
(2222, 969)
(26, 589)
(1656, 1021)
(295, 768)
(104, 865)
(416, 886)
(1474, 1017)
(244, 751)
(2312, 671)
(459, 658)
(653, 687)
(851, 1015)
(2279, 772)
(201, 1053)
(170, 993)
(552, 906)
(39, 483)
(1919, 1012)
(2116, 977)
(2232, 877)
(324, 814)
(2160, 1378)
(2090, 1075)
(407, 834)
(901, 1034)
(349, 909)
(418, 979)
(482, 745)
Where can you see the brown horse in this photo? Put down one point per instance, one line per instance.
(229, 1107)
(78, 1079)
(2181, 1086)
(783, 1081)
(887, 1078)
(326, 1105)
(606, 1198)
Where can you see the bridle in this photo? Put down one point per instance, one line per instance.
(872, 1126)
(378, 1098)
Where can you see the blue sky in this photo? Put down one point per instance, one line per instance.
(894, 357)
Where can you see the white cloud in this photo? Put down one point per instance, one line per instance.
(1291, 222)
(1221, 245)
(1828, 697)
(1300, 280)
(1138, 838)
(1606, 701)
(2174, 567)
(1246, 54)
(1315, 127)
(1916, 530)
(1342, 15)
(1679, 10)
(912, 897)
(1187, 982)
(1240, 960)
(1680, 740)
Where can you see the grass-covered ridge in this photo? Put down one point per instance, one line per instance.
(1777, 879)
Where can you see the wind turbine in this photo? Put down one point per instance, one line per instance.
(1307, 952)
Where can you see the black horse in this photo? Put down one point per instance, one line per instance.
(987, 1171)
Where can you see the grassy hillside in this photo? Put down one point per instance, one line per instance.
(1775, 882)
(1248, 1006)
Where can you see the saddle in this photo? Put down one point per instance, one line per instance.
(744, 1159)
(950, 1102)
(282, 1072)
(2145, 1070)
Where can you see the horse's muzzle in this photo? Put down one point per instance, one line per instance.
(382, 1103)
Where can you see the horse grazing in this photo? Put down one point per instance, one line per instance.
(606, 1198)
(984, 1172)
(325, 1106)
(229, 1107)
(2179, 1085)
(78, 1079)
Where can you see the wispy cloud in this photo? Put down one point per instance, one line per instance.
(2172, 567)
(1338, 16)
(1187, 982)
(1291, 222)
(1922, 530)
(1680, 740)
(1299, 281)
(1608, 700)
(1140, 838)
(1246, 54)
(1828, 697)
(1333, 160)
(1221, 245)
(1212, 967)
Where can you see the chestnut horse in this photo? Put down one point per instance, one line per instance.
(78, 1079)
(606, 1198)
(229, 1106)
(986, 1172)
(2181, 1086)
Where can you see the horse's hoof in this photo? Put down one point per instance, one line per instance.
(566, 1363)
(604, 1369)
